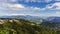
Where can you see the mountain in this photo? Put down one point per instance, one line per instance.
(54, 19)
(26, 17)
(49, 22)
(52, 22)
(21, 26)
(35, 18)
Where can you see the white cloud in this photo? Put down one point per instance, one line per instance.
(20, 7)
(8, 0)
(36, 8)
(57, 0)
(3, 1)
(55, 6)
(26, 1)
(49, 6)
(13, 14)
(48, 1)
(13, 0)
(36, 0)
(15, 6)
(17, 9)
(57, 12)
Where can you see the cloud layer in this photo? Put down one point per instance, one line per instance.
(12, 7)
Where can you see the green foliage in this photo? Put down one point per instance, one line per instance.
(21, 26)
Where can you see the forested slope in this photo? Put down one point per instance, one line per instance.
(21, 26)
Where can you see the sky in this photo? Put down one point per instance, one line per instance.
(30, 7)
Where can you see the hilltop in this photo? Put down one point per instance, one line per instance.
(22, 26)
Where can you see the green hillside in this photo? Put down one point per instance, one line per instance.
(21, 26)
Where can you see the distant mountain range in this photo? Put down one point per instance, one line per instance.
(54, 19)
(49, 22)
(52, 22)
(35, 18)
(26, 17)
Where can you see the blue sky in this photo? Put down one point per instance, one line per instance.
(30, 7)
